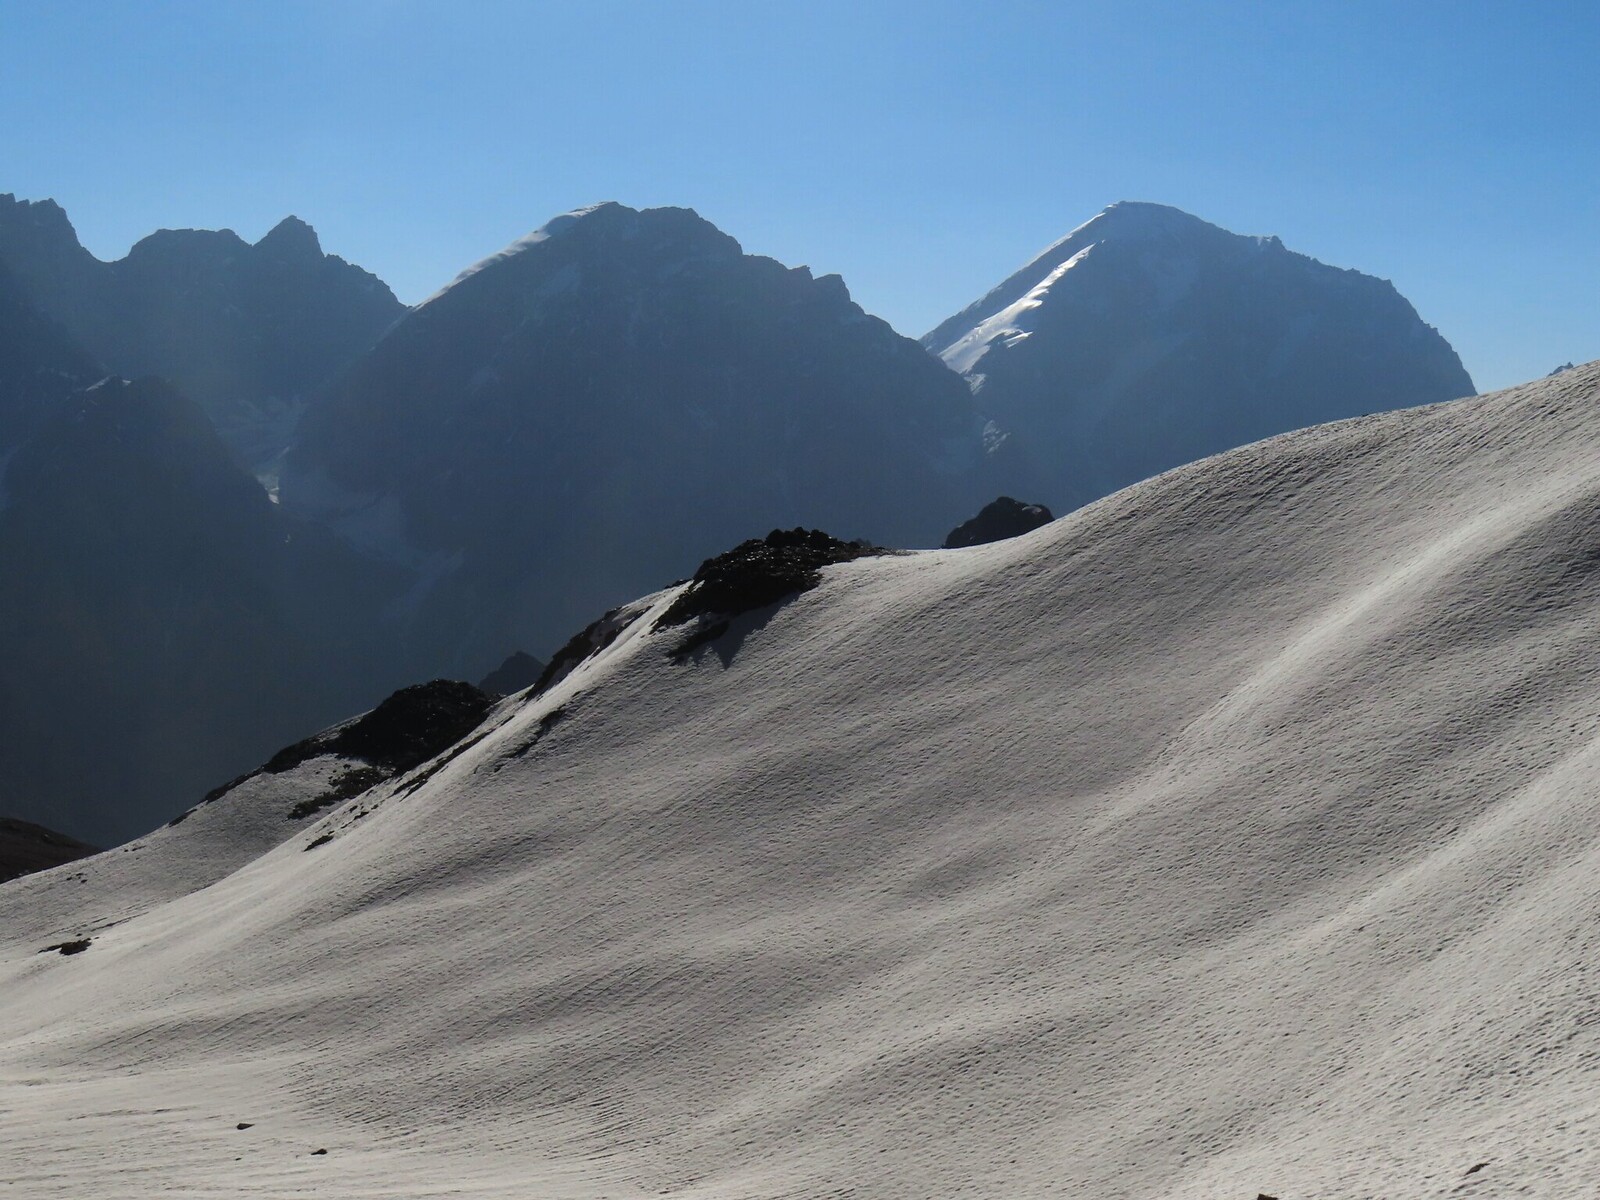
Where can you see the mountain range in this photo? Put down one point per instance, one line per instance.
(1234, 835)
(309, 494)
(246, 331)
(610, 400)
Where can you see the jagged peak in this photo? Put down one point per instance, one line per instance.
(46, 223)
(292, 237)
(45, 211)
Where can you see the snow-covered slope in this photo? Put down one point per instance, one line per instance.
(1239, 833)
(1147, 338)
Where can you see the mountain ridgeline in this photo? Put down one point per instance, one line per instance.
(572, 422)
(249, 332)
(588, 414)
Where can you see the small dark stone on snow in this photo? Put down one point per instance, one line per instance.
(245, 1125)
(998, 520)
(74, 947)
(321, 841)
(316, 1152)
(347, 785)
(1473, 1170)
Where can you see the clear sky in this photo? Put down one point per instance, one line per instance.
(923, 150)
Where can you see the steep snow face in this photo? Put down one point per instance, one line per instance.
(1233, 835)
(608, 402)
(1010, 325)
(1147, 338)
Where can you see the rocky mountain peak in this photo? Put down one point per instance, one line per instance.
(291, 238)
(1147, 338)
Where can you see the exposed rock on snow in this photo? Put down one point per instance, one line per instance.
(759, 572)
(409, 727)
(585, 644)
(996, 521)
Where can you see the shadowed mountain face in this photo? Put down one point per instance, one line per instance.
(39, 362)
(164, 626)
(609, 401)
(247, 331)
(1147, 338)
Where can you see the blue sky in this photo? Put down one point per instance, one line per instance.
(922, 150)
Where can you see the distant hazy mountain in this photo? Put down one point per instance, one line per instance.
(247, 331)
(162, 624)
(1148, 338)
(591, 412)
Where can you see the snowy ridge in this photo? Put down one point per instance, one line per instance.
(1235, 834)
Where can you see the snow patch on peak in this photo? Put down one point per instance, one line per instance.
(1010, 325)
(1149, 236)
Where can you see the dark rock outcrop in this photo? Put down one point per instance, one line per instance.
(409, 727)
(759, 572)
(996, 521)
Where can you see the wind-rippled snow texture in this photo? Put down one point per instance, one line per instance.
(1235, 834)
